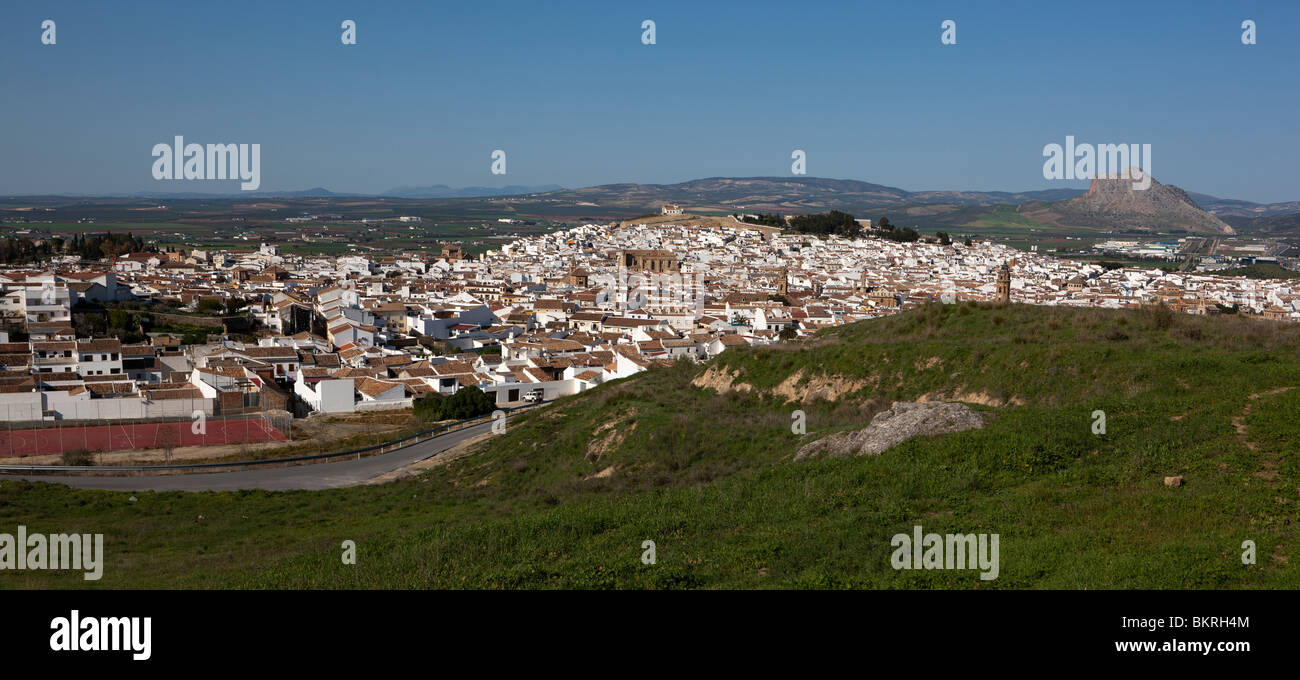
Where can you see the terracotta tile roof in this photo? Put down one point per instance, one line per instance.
(373, 388)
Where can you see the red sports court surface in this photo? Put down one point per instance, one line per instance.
(126, 436)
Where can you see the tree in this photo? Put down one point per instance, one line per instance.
(787, 334)
(167, 440)
(886, 230)
(835, 223)
(118, 318)
(428, 407)
(944, 239)
(773, 220)
(467, 402)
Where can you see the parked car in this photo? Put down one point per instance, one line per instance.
(534, 396)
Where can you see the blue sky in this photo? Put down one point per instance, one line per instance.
(571, 94)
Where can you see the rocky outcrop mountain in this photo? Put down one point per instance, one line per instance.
(1113, 201)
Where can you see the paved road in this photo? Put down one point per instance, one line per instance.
(309, 477)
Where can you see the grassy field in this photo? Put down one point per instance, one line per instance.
(1266, 270)
(1005, 218)
(567, 495)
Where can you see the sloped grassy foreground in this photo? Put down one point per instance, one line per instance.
(698, 459)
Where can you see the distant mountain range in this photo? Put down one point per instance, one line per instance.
(1103, 207)
(786, 195)
(1234, 208)
(435, 191)
(1108, 203)
(727, 193)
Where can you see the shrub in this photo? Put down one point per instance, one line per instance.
(80, 457)
(428, 407)
(1158, 316)
(211, 306)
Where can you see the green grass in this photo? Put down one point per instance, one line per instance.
(708, 476)
(1260, 271)
(1006, 217)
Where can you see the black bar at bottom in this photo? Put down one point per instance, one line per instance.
(330, 630)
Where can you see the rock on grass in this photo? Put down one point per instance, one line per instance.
(901, 422)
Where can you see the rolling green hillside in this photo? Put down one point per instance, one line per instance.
(698, 459)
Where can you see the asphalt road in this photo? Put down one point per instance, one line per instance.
(305, 477)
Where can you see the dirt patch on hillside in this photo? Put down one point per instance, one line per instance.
(1239, 420)
(1269, 473)
(801, 387)
(828, 387)
(603, 474)
(797, 387)
(969, 397)
(720, 381)
(609, 437)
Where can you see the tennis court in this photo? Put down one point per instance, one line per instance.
(129, 436)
